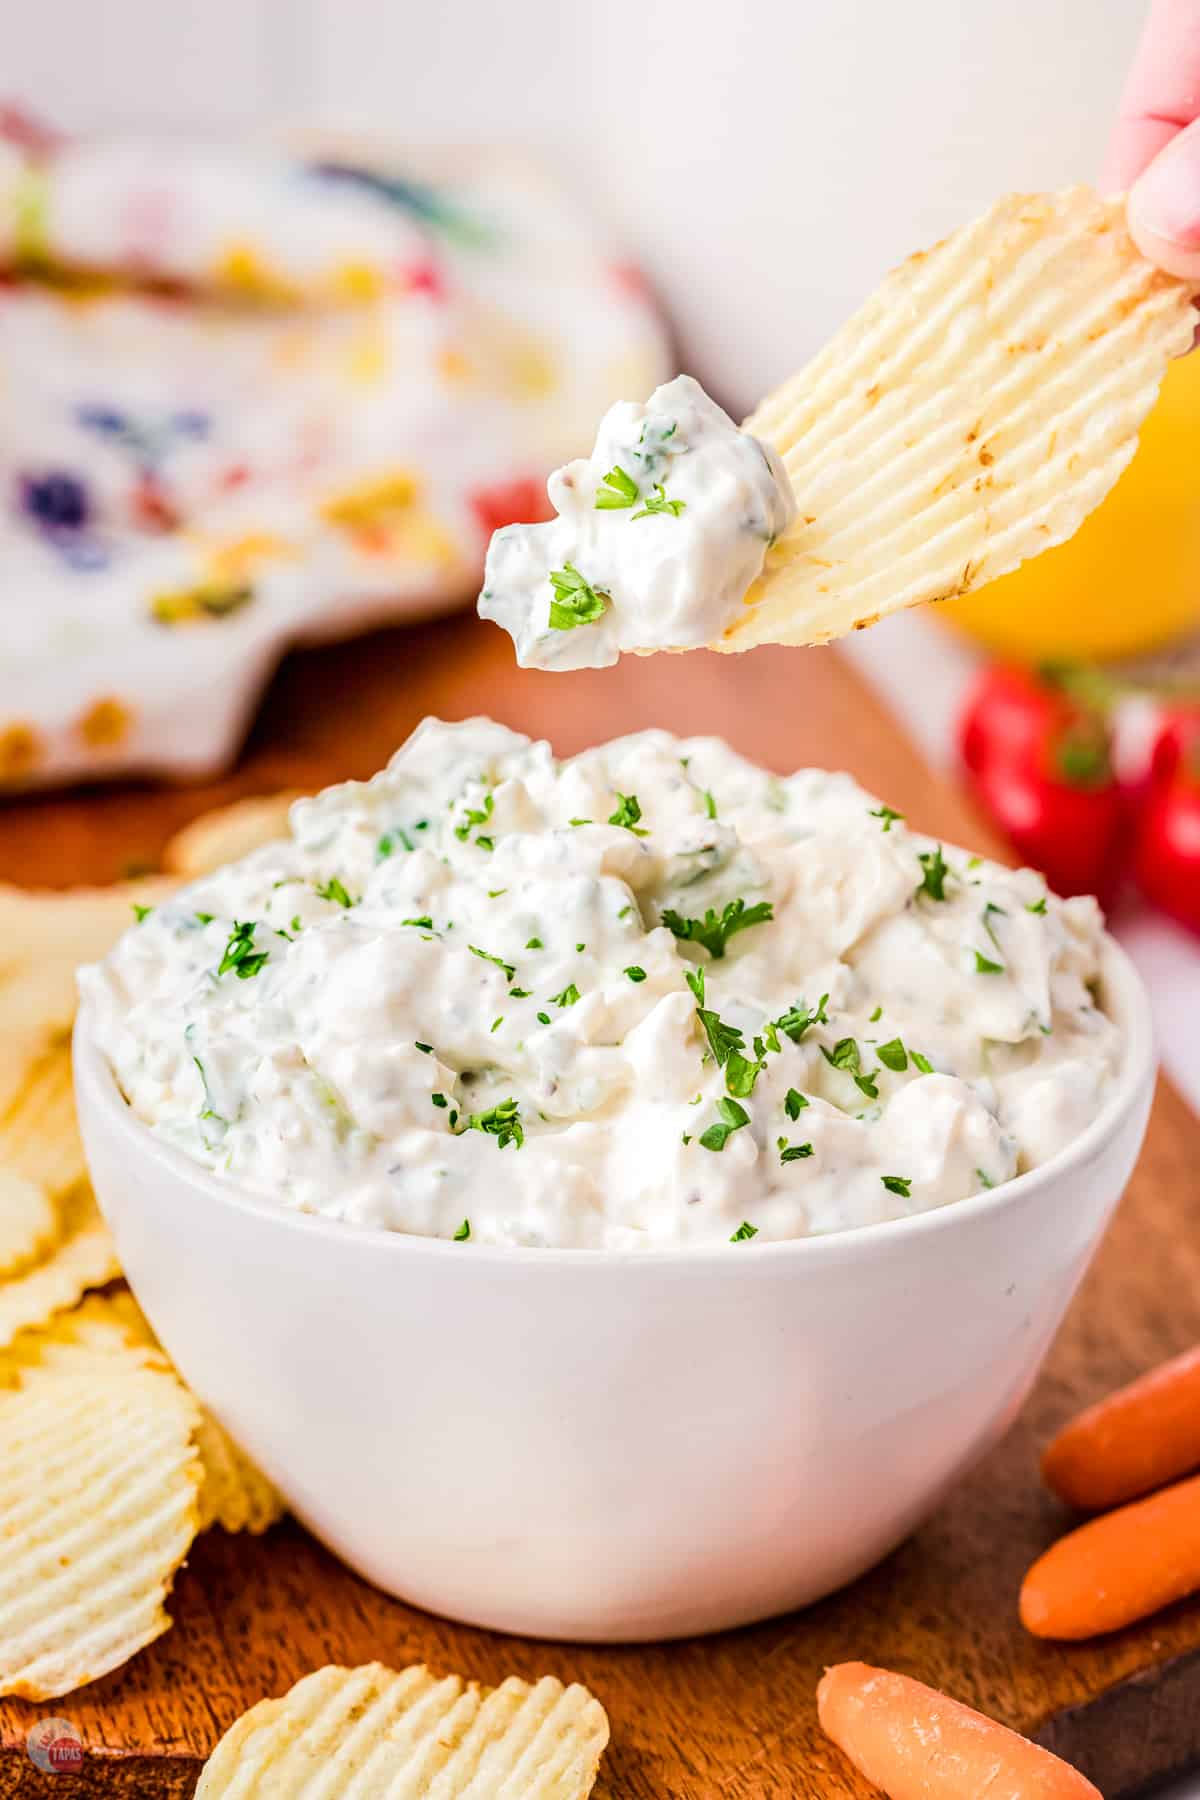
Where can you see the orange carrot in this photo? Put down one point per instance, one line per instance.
(917, 1744)
(1142, 1436)
(1118, 1567)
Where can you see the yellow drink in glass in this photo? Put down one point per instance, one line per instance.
(1129, 580)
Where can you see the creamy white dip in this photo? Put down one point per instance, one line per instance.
(648, 996)
(659, 534)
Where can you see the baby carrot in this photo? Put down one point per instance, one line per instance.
(1142, 1436)
(917, 1744)
(1117, 1567)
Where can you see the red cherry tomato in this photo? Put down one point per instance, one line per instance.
(1039, 761)
(1178, 740)
(1008, 715)
(521, 501)
(1167, 858)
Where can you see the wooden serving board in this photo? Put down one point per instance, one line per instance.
(734, 1714)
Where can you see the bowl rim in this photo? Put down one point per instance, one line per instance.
(94, 1075)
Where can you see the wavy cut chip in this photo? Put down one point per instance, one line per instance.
(234, 1493)
(231, 832)
(39, 1136)
(375, 1734)
(81, 1257)
(98, 1483)
(971, 415)
(29, 1223)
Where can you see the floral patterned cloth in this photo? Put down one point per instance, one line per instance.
(250, 400)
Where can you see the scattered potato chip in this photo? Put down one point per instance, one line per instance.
(39, 1136)
(236, 1494)
(374, 1734)
(98, 1484)
(44, 937)
(81, 1257)
(109, 1324)
(28, 1222)
(221, 837)
(972, 414)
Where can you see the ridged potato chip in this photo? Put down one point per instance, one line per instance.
(108, 1324)
(221, 837)
(234, 1493)
(972, 414)
(28, 1223)
(39, 1136)
(44, 937)
(81, 1257)
(374, 1734)
(98, 1483)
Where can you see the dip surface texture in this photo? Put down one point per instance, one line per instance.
(649, 996)
(658, 537)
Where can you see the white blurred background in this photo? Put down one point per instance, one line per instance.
(764, 159)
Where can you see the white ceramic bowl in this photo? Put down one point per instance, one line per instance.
(612, 1446)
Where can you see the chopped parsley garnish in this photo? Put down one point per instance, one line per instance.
(295, 922)
(624, 912)
(496, 1023)
(658, 503)
(543, 1018)
(898, 1184)
(387, 843)
(535, 944)
(333, 889)
(792, 1152)
(476, 815)
(732, 1118)
(985, 1179)
(798, 1019)
(502, 1121)
(486, 956)
(710, 805)
(794, 1103)
(845, 1055)
(616, 491)
(568, 997)
(628, 814)
(744, 1232)
(463, 1232)
(936, 869)
(877, 1014)
(425, 1049)
(240, 954)
(715, 932)
(516, 993)
(579, 821)
(888, 815)
(1000, 913)
(575, 601)
(581, 946)
(893, 1055)
(985, 966)
(1036, 906)
(635, 973)
(439, 1100)
(485, 843)
(974, 862)
(423, 922)
(495, 893)
(141, 913)
(921, 1062)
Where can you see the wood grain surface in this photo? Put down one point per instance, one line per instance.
(734, 1714)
